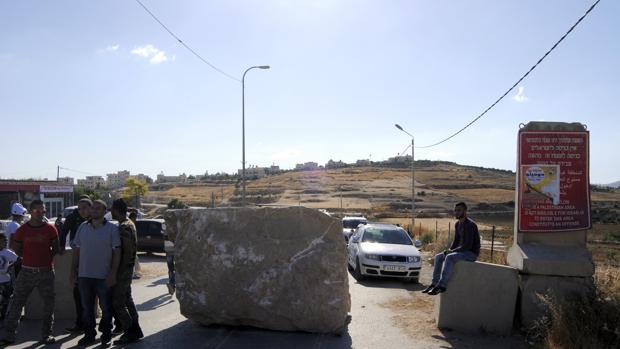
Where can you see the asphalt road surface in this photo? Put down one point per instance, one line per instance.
(372, 324)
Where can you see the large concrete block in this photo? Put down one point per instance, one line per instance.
(481, 297)
(274, 268)
(531, 307)
(551, 260)
(64, 307)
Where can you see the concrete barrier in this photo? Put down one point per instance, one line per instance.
(481, 297)
(64, 307)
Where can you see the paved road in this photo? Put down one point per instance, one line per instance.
(372, 324)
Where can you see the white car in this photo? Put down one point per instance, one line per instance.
(350, 223)
(384, 250)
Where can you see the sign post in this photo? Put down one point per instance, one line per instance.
(552, 213)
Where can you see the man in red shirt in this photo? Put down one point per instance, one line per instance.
(36, 242)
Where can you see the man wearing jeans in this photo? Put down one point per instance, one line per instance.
(465, 247)
(37, 243)
(97, 257)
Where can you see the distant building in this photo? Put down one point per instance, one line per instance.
(55, 194)
(118, 179)
(362, 163)
(308, 166)
(399, 160)
(331, 164)
(161, 178)
(66, 180)
(92, 182)
(253, 172)
(143, 178)
(273, 169)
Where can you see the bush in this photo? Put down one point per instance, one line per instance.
(427, 238)
(177, 204)
(583, 321)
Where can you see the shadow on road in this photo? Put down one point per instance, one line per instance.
(155, 303)
(188, 334)
(378, 282)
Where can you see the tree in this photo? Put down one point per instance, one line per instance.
(134, 189)
(177, 204)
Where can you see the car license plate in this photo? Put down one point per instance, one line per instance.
(394, 268)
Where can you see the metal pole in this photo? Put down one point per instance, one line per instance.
(436, 236)
(243, 138)
(413, 190)
(492, 243)
(57, 173)
(243, 130)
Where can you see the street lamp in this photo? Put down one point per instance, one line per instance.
(243, 128)
(412, 182)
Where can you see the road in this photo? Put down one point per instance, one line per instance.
(384, 314)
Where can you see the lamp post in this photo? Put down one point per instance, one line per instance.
(412, 181)
(243, 129)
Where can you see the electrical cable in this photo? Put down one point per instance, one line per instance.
(516, 83)
(185, 45)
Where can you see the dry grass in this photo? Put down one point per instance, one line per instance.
(486, 195)
(590, 320)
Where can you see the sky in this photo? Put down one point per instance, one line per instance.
(99, 86)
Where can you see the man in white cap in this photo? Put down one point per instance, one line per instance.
(18, 211)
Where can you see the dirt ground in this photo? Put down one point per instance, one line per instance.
(414, 315)
(153, 265)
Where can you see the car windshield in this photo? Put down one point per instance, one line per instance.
(352, 223)
(386, 236)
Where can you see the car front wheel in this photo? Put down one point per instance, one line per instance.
(357, 272)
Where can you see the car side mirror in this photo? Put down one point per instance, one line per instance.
(355, 239)
(418, 243)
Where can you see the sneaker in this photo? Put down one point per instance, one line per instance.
(429, 288)
(48, 340)
(437, 290)
(86, 341)
(171, 289)
(117, 330)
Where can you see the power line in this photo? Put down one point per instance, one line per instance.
(403, 152)
(185, 45)
(518, 81)
(78, 171)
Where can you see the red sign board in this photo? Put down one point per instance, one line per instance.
(553, 181)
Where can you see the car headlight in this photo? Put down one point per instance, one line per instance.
(373, 257)
(413, 259)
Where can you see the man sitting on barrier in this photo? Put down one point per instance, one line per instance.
(465, 247)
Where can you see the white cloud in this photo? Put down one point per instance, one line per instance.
(159, 57)
(149, 51)
(109, 48)
(520, 96)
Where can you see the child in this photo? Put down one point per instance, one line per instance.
(7, 258)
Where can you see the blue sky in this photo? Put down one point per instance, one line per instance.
(80, 87)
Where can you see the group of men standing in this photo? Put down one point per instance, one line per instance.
(103, 261)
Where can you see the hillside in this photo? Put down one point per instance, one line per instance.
(438, 185)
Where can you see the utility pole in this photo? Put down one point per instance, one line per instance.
(57, 173)
(212, 199)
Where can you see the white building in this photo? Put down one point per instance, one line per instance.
(161, 178)
(253, 172)
(143, 178)
(308, 166)
(118, 179)
(91, 182)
